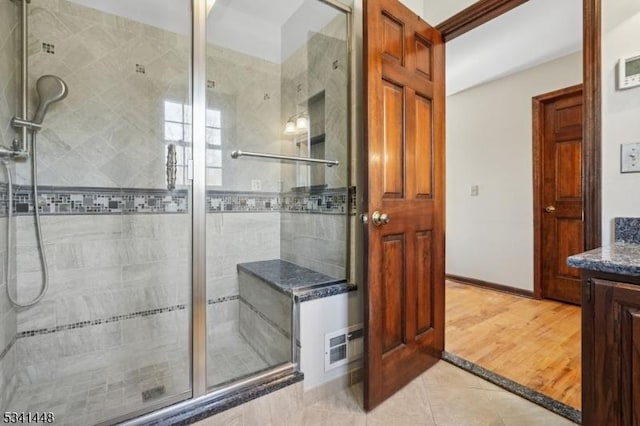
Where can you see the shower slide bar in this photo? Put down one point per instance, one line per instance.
(239, 153)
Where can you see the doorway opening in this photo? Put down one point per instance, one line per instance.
(490, 226)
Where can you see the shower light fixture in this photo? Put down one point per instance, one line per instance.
(297, 124)
(290, 128)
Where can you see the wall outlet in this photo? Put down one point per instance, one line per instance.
(256, 185)
(475, 190)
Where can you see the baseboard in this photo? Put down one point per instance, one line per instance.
(491, 286)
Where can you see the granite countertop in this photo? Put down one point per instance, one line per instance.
(305, 284)
(618, 258)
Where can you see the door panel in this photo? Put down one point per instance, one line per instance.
(423, 148)
(424, 278)
(393, 291)
(393, 38)
(404, 309)
(569, 170)
(558, 204)
(572, 244)
(393, 138)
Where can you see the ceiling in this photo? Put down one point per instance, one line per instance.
(271, 30)
(536, 32)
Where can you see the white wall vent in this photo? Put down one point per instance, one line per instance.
(343, 346)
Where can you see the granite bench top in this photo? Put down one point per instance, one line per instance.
(303, 283)
(618, 258)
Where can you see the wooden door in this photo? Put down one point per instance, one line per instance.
(404, 306)
(558, 208)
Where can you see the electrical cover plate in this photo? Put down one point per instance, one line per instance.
(630, 158)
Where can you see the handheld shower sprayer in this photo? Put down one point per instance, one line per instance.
(51, 89)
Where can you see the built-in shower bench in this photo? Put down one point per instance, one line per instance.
(270, 292)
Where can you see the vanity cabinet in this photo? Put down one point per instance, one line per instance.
(610, 349)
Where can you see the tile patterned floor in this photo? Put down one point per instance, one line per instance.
(443, 396)
(96, 396)
(92, 397)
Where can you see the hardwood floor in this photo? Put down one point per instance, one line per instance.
(533, 342)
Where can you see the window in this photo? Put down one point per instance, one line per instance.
(177, 130)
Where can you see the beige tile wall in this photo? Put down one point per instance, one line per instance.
(8, 91)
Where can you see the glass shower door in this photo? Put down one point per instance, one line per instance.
(111, 337)
(276, 85)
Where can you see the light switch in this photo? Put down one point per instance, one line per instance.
(475, 190)
(630, 158)
(256, 185)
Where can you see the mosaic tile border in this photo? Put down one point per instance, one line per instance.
(115, 318)
(338, 201)
(223, 299)
(56, 200)
(4, 199)
(77, 200)
(529, 394)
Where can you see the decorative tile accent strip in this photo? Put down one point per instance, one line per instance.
(223, 299)
(4, 199)
(6, 350)
(266, 318)
(627, 230)
(307, 200)
(233, 201)
(108, 320)
(78, 200)
(529, 394)
(318, 200)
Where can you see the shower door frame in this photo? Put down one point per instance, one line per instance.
(202, 396)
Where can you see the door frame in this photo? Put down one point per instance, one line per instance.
(538, 107)
(485, 10)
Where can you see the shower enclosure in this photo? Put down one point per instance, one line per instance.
(196, 138)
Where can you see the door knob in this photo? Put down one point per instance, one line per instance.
(550, 209)
(379, 219)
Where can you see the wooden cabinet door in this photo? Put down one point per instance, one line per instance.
(404, 297)
(611, 374)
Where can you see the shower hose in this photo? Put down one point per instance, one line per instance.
(41, 249)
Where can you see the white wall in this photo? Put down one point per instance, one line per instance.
(437, 11)
(620, 113)
(416, 5)
(317, 318)
(489, 143)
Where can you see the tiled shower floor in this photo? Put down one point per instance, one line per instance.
(97, 396)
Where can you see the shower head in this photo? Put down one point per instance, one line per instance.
(50, 89)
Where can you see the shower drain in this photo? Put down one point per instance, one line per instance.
(153, 393)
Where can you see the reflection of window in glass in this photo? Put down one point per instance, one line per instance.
(177, 130)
